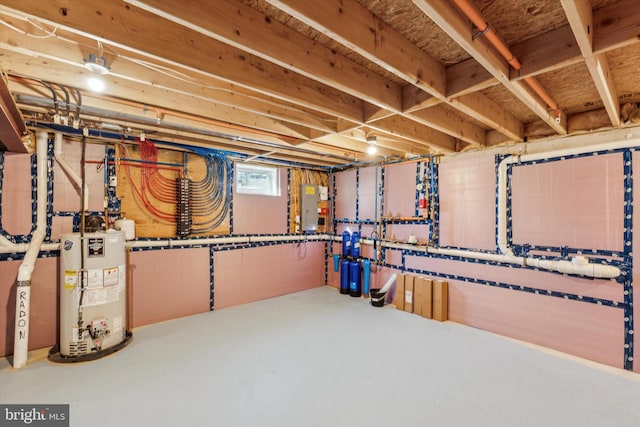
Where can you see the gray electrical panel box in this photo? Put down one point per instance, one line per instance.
(308, 207)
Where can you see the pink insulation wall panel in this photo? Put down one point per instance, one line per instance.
(168, 284)
(66, 197)
(16, 194)
(367, 194)
(576, 203)
(252, 274)
(587, 330)
(255, 214)
(60, 225)
(367, 229)
(467, 203)
(43, 325)
(393, 257)
(400, 190)
(346, 191)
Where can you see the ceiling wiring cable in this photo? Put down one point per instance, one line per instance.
(67, 99)
(49, 34)
(54, 96)
(78, 97)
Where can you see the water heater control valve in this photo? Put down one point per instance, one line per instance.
(98, 328)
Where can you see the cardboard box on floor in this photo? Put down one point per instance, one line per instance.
(440, 300)
(398, 300)
(408, 293)
(422, 297)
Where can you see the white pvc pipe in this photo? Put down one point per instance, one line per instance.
(223, 240)
(578, 265)
(295, 237)
(7, 246)
(387, 285)
(186, 242)
(68, 170)
(18, 248)
(23, 285)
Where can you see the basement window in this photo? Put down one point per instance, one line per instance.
(261, 180)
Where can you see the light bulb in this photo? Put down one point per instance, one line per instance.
(372, 149)
(95, 84)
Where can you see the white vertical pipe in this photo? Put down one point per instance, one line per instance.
(23, 285)
(66, 167)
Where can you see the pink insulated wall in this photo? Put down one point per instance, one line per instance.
(252, 274)
(16, 190)
(168, 284)
(346, 196)
(467, 189)
(575, 203)
(400, 190)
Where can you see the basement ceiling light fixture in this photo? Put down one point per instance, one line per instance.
(372, 140)
(96, 64)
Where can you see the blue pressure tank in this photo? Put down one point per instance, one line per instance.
(346, 243)
(344, 277)
(355, 244)
(354, 279)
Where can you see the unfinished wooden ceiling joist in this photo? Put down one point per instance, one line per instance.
(306, 82)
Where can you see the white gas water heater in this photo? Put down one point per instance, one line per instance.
(93, 296)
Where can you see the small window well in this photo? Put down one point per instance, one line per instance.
(262, 180)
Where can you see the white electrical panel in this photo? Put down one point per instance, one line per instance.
(308, 207)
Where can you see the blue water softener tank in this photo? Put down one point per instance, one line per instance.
(354, 279)
(366, 272)
(355, 244)
(346, 243)
(344, 277)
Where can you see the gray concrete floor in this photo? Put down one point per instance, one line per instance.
(317, 358)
